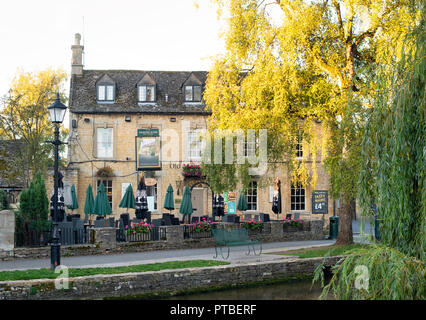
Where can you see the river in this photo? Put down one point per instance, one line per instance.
(290, 290)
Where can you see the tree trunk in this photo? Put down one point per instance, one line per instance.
(345, 235)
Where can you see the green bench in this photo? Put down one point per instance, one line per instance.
(233, 237)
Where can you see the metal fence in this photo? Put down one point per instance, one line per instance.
(67, 236)
(156, 234)
(32, 238)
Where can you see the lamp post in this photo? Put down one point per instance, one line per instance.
(57, 112)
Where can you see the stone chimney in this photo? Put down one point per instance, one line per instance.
(77, 56)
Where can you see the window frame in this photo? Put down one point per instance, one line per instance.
(155, 93)
(200, 142)
(250, 194)
(192, 93)
(97, 143)
(108, 189)
(297, 197)
(105, 85)
(299, 148)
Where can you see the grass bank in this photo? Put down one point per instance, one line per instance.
(80, 272)
(323, 251)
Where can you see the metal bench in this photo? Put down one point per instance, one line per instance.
(233, 237)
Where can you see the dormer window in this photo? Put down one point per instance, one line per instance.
(146, 93)
(106, 92)
(105, 89)
(192, 93)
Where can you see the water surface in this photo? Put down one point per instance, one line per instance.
(290, 290)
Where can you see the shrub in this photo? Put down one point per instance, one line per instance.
(139, 228)
(202, 226)
(293, 223)
(4, 201)
(251, 224)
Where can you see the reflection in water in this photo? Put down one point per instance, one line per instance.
(293, 290)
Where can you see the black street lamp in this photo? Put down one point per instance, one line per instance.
(57, 112)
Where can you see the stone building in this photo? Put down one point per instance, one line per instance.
(13, 169)
(124, 123)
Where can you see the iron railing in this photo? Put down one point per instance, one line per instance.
(156, 234)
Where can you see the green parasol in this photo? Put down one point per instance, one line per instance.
(186, 205)
(90, 202)
(128, 200)
(102, 206)
(74, 204)
(169, 203)
(242, 202)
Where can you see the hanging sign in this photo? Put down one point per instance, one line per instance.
(320, 201)
(152, 132)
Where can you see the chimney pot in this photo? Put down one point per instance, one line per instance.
(77, 56)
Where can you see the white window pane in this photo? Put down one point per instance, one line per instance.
(142, 93)
(197, 93)
(194, 145)
(110, 93)
(188, 93)
(104, 142)
(150, 94)
(101, 92)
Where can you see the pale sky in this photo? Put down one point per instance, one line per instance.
(124, 34)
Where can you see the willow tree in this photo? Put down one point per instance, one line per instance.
(393, 175)
(24, 115)
(291, 64)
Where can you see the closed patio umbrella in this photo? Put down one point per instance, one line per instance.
(276, 201)
(74, 202)
(128, 200)
(90, 202)
(169, 203)
(186, 205)
(242, 202)
(102, 206)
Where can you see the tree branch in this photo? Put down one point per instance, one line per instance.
(339, 18)
(372, 31)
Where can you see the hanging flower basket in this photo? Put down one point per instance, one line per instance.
(192, 171)
(105, 172)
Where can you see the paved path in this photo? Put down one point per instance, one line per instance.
(237, 255)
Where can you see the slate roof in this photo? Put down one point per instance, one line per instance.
(83, 92)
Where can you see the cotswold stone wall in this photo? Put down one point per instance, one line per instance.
(166, 281)
(7, 234)
(105, 241)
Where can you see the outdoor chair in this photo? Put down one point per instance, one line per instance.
(167, 220)
(125, 218)
(288, 216)
(296, 215)
(264, 217)
(111, 222)
(195, 219)
(157, 222)
(175, 221)
(99, 223)
(136, 220)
